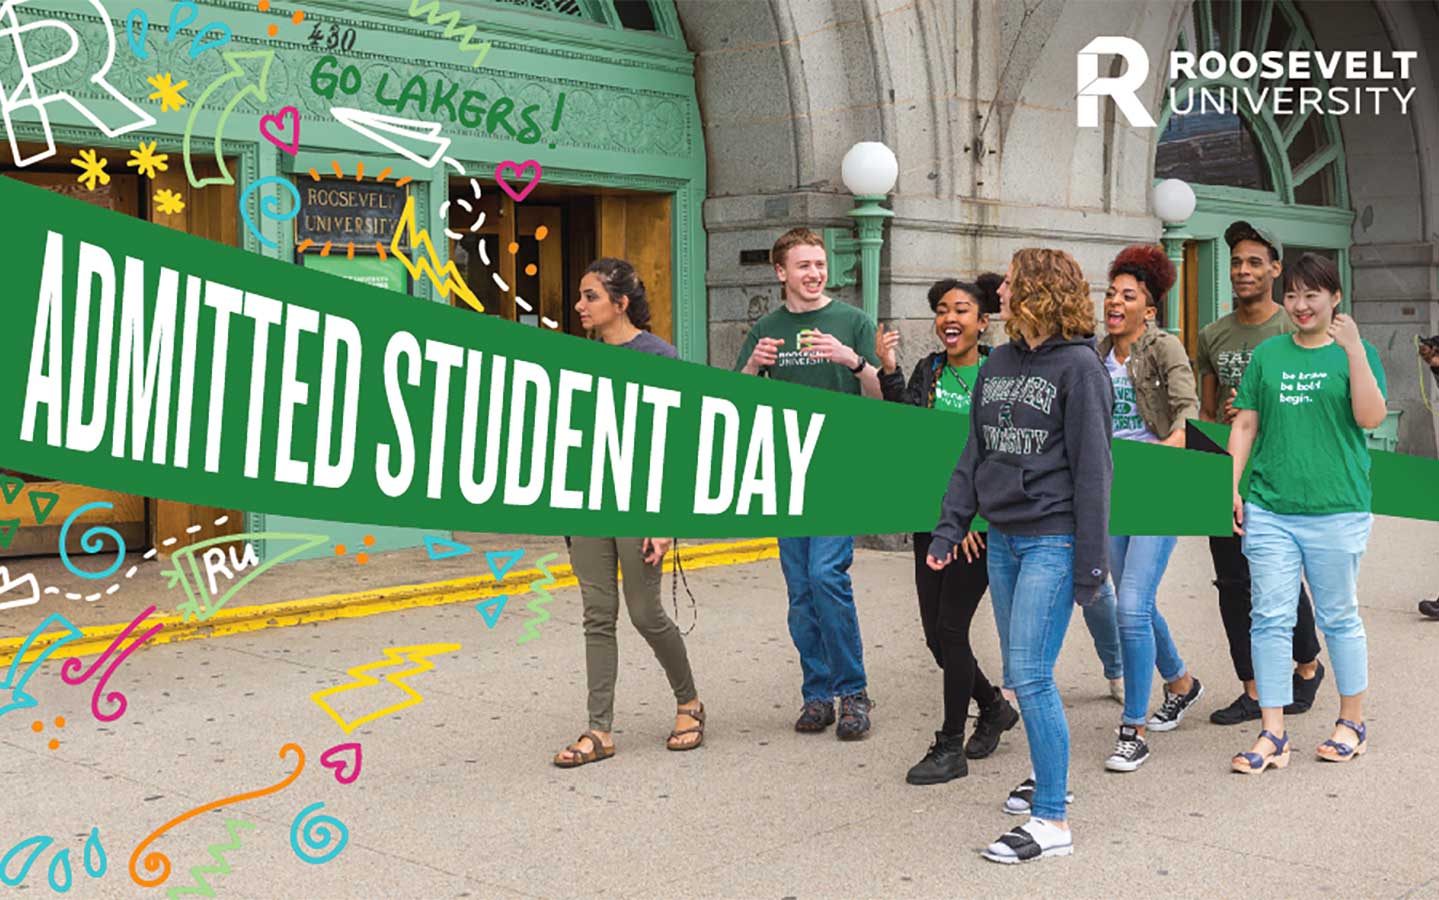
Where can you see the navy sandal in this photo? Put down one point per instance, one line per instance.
(1251, 763)
(1342, 752)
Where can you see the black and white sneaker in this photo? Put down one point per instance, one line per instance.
(1171, 711)
(1034, 839)
(1021, 799)
(1130, 751)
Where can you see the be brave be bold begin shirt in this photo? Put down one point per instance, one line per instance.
(1310, 457)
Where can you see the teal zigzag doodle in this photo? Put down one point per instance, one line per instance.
(537, 605)
(217, 851)
(451, 21)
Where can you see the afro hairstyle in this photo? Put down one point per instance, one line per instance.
(1149, 265)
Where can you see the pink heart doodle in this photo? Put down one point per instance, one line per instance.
(339, 765)
(278, 121)
(518, 169)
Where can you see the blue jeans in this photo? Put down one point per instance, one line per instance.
(1327, 550)
(1031, 585)
(1138, 564)
(823, 621)
(1102, 620)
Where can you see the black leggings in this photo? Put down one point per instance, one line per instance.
(947, 601)
(1231, 570)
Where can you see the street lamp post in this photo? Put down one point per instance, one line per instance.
(1174, 204)
(869, 170)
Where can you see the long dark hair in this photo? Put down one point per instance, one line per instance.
(620, 280)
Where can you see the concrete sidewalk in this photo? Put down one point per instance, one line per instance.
(456, 796)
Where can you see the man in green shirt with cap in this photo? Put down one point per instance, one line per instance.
(1225, 346)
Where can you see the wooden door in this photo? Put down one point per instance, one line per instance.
(40, 521)
(636, 227)
(539, 265)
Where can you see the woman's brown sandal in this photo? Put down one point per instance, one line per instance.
(698, 714)
(573, 757)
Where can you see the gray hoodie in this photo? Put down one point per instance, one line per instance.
(1038, 461)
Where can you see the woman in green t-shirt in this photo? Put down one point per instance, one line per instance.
(1303, 405)
(948, 599)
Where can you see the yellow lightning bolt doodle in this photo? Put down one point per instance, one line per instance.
(419, 655)
(429, 263)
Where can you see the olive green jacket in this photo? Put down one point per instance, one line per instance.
(1162, 377)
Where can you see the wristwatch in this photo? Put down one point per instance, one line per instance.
(860, 368)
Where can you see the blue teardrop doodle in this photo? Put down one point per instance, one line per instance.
(93, 843)
(137, 46)
(189, 7)
(61, 859)
(44, 842)
(198, 46)
(318, 835)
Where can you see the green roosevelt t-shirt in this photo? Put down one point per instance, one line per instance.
(1310, 457)
(840, 320)
(952, 393)
(1226, 344)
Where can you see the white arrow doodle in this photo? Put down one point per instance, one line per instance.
(6, 585)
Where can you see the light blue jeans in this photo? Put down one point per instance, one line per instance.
(1326, 550)
(1031, 585)
(823, 621)
(1102, 620)
(1137, 564)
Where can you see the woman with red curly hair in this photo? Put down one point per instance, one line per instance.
(1153, 396)
(1037, 466)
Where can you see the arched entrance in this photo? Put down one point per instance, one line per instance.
(1285, 172)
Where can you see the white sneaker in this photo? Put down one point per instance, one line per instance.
(1034, 839)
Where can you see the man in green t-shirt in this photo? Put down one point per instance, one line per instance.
(817, 341)
(1225, 347)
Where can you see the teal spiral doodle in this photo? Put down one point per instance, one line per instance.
(91, 542)
(222, 867)
(269, 206)
(318, 835)
(537, 605)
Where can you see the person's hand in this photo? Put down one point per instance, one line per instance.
(1085, 594)
(1229, 411)
(818, 345)
(939, 564)
(1429, 353)
(973, 545)
(655, 549)
(1238, 514)
(885, 343)
(766, 353)
(1345, 332)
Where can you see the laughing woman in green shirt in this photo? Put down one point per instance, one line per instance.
(1303, 405)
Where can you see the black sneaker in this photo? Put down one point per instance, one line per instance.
(992, 722)
(1305, 690)
(817, 715)
(944, 761)
(854, 716)
(1171, 711)
(1130, 751)
(1429, 608)
(1244, 709)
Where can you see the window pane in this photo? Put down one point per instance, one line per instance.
(1318, 190)
(635, 15)
(1307, 142)
(1211, 148)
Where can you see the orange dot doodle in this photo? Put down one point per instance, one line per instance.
(541, 233)
(531, 269)
(298, 17)
(272, 30)
(264, 5)
(362, 557)
(513, 248)
(38, 727)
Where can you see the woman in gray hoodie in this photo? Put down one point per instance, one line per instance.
(1037, 467)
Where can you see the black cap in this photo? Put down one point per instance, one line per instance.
(1243, 231)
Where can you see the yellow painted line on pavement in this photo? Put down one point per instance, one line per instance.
(241, 619)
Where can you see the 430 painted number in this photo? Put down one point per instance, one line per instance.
(335, 39)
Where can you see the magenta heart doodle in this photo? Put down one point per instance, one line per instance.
(519, 170)
(278, 123)
(340, 765)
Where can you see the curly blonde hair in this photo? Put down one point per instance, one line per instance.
(1048, 293)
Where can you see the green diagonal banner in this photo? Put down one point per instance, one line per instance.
(155, 363)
